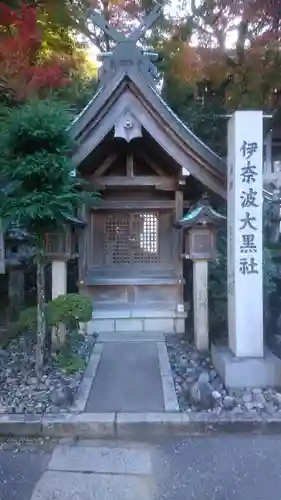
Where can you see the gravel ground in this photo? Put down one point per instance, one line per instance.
(20, 391)
(200, 388)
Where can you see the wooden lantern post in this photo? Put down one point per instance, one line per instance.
(60, 247)
(58, 251)
(199, 226)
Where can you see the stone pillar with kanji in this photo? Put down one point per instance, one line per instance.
(245, 361)
(245, 242)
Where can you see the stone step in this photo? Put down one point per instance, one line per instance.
(141, 324)
(137, 313)
(101, 459)
(105, 337)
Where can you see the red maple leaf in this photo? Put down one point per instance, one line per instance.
(20, 42)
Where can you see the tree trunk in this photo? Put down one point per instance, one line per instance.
(41, 319)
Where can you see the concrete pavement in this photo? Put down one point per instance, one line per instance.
(209, 467)
(128, 379)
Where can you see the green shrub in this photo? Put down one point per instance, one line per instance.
(70, 310)
(70, 363)
(27, 320)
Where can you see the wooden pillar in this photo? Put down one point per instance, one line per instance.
(83, 239)
(59, 287)
(179, 247)
(130, 165)
(82, 247)
(200, 304)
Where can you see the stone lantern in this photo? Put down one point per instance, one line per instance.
(17, 253)
(200, 228)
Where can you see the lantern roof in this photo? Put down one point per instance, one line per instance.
(201, 214)
(75, 221)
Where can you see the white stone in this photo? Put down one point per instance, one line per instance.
(131, 337)
(128, 325)
(165, 325)
(241, 372)
(245, 287)
(89, 328)
(100, 325)
(204, 378)
(101, 459)
(56, 485)
(200, 304)
(59, 278)
(179, 325)
(59, 287)
(216, 395)
(169, 393)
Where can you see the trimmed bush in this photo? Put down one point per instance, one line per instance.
(68, 309)
(71, 310)
(27, 320)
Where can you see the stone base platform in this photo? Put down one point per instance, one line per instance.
(239, 373)
(136, 320)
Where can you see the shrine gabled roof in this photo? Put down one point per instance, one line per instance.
(96, 119)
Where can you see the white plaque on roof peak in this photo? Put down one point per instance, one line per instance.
(127, 126)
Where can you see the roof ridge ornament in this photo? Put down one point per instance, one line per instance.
(126, 54)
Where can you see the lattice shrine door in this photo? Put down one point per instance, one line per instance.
(126, 238)
(130, 255)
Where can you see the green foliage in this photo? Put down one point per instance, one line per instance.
(202, 112)
(218, 286)
(270, 272)
(37, 156)
(70, 310)
(27, 320)
(46, 192)
(80, 91)
(36, 126)
(70, 362)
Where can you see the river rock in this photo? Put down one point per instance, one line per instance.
(216, 395)
(277, 399)
(4, 354)
(228, 402)
(183, 363)
(195, 397)
(61, 396)
(247, 398)
(201, 395)
(204, 378)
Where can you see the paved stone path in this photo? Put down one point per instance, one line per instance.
(89, 470)
(234, 467)
(127, 379)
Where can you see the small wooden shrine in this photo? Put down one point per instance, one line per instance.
(149, 168)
